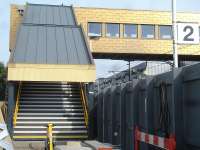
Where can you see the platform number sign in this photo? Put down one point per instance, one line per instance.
(188, 33)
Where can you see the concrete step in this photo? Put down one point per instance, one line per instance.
(50, 88)
(66, 132)
(42, 122)
(49, 102)
(49, 106)
(55, 137)
(50, 110)
(50, 92)
(50, 114)
(50, 98)
(49, 85)
(50, 118)
(54, 127)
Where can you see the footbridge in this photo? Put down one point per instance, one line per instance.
(47, 72)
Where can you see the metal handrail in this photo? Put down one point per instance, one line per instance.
(50, 136)
(17, 105)
(84, 103)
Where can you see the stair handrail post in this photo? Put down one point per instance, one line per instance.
(50, 136)
(84, 103)
(17, 105)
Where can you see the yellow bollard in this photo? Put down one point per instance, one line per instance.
(50, 136)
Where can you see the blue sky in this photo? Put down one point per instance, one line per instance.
(182, 5)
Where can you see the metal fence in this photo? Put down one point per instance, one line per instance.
(164, 105)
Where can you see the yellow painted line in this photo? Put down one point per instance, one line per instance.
(30, 137)
(17, 105)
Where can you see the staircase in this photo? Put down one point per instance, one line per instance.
(41, 103)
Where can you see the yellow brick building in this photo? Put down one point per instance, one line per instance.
(120, 46)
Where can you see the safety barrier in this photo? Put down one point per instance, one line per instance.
(84, 103)
(17, 105)
(160, 142)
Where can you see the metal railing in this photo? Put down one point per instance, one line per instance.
(17, 105)
(84, 103)
(50, 136)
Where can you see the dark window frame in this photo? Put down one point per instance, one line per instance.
(124, 29)
(145, 38)
(88, 27)
(107, 30)
(159, 33)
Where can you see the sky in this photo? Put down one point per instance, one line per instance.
(103, 67)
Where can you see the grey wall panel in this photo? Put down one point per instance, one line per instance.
(36, 15)
(56, 15)
(80, 46)
(123, 117)
(107, 104)
(41, 57)
(32, 43)
(64, 19)
(131, 112)
(49, 35)
(142, 98)
(162, 105)
(100, 121)
(49, 14)
(28, 14)
(143, 103)
(61, 46)
(116, 115)
(21, 45)
(71, 48)
(69, 14)
(191, 106)
(42, 16)
(52, 57)
(149, 101)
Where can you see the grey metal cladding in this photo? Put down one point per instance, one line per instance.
(47, 14)
(49, 35)
(80, 45)
(41, 57)
(50, 45)
(21, 47)
(71, 48)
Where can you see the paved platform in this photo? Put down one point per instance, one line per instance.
(29, 145)
(72, 146)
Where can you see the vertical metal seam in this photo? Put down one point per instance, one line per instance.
(66, 46)
(73, 37)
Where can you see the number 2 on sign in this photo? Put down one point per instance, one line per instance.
(189, 30)
(188, 33)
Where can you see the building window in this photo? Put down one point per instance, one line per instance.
(112, 30)
(148, 31)
(165, 32)
(94, 29)
(130, 31)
